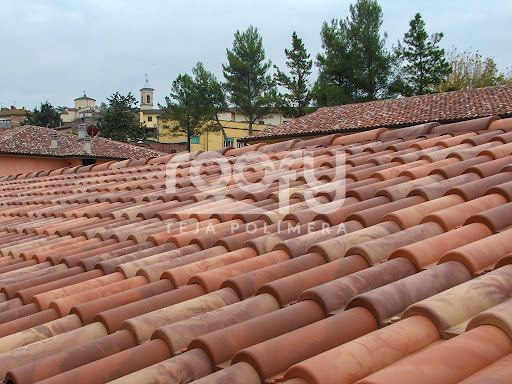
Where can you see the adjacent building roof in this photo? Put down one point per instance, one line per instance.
(163, 147)
(36, 141)
(84, 97)
(394, 113)
(154, 110)
(13, 112)
(393, 263)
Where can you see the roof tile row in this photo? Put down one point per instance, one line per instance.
(219, 284)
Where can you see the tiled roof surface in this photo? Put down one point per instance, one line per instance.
(441, 107)
(153, 110)
(113, 273)
(32, 140)
(13, 112)
(84, 98)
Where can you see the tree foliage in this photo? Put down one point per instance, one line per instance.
(121, 119)
(472, 70)
(334, 85)
(424, 64)
(355, 65)
(194, 104)
(296, 102)
(251, 90)
(45, 116)
(214, 98)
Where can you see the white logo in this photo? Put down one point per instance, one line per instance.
(297, 180)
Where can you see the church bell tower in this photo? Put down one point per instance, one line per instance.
(146, 96)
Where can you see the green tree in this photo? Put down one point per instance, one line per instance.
(296, 102)
(334, 85)
(355, 65)
(472, 70)
(424, 63)
(250, 89)
(60, 108)
(214, 99)
(45, 116)
(121, 119)
(194, 104)
(371, 60)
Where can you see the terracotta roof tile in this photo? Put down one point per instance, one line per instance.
(392, 299)
(33, 140)
(105, 275)
(389, 345)
(407, 111)
(475, 350)
(498, 372)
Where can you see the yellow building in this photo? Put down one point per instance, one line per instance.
(235, 126)
(148, 114)
(149, 118)
(210, 141)
(85, 108)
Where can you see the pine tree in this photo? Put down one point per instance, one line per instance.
(193, 103)
(370, 60)
(250, 89)
(425, 63)
(355, 65)
(334, 85)
(45, 116)
(121, 119)
(296, 102)
(214, 99)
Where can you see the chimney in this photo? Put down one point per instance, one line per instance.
(81, 132)
(54, 144)
(87, 144)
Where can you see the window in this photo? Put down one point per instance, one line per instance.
(195, 140)
(261, 122)
(229, 142)
(240, 144)
(150, 118)
(148, 99)
(88, 161)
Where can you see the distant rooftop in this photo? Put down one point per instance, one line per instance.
(444, 107)
(84, 97)
(36, 141)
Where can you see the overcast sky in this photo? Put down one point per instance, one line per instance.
(55, 50)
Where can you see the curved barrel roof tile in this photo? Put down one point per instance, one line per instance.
(289, 267)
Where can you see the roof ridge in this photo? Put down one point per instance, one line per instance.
(444, 107)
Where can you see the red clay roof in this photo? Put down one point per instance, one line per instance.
(136, 272)
(392, 113)
(36, 141)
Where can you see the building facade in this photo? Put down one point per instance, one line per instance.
(233, 122)
(12, 117)
(30, 149)
(85, 109)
